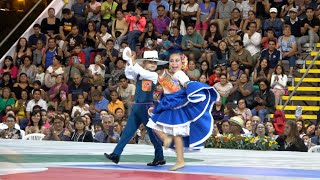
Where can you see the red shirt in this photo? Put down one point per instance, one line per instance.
(213, 79)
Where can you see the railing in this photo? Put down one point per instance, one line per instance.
(58, 5)
(299, 83)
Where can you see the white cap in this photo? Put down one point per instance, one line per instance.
(275, 10)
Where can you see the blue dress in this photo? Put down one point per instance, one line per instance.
(186, 113)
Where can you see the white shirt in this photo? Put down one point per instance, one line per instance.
(126, 94)
(40, 77)
(97, 70)
(83, 111)
(183, 30)
(187, 8)
(252, 44)
(32, 103)
(4, 126)
(281, 83)
(181, 77)
(245, 7)
(104, 39)
(133, 71)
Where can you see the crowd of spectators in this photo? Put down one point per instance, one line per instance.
(67, 80)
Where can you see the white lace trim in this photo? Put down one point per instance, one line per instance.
(174, 131)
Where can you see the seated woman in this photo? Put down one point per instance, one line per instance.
(53, 71)
(290, 140)
(58, 93)
(36, 124)
(22, 84)
(176, 21)
(223, 87)
(20, 107)
(81, 134)
(262, 71)
(264, 102)
(278, 83)
(6, 80)
(11, 132)
(220, 56)
(218, 111)
(251, 18)
(261, 130)
(193, 72)
(8, 66)
(316, 139)
(50, 25)
(57, 131)
(242, 109)
(243, 89)
(5, 100)
(28, 68)
(81, 108)
(211, 42)
(234, 72)
(119, 27)
(272, 133)
(22, 50)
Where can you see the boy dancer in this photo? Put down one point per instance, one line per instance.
(146, 80)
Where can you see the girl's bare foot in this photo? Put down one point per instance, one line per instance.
(167, 141)
(177, 166)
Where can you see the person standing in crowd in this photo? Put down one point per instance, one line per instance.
(137, 25)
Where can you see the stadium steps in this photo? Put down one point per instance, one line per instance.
(309, 89)
(304, 108)
(292, 116)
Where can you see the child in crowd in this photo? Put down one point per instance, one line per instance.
(270, 35)
(164, 45)
(40, 74)
(193, 72)
(203, 79)
(215, 77)
(81, 55)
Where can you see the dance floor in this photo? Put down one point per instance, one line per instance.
(38, 160)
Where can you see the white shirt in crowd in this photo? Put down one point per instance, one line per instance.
(281, 83)
(32, 103)
(252, 44)
(97, 70)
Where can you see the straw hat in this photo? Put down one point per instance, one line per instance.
(237, 120)
(147, 56)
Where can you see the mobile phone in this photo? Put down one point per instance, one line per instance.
(111, 130)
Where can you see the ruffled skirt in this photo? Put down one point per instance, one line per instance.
(186, 113)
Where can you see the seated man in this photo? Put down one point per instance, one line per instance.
(76, 88)
(108, 135)
(243, 56)
(272, 54)
(192, 42)
(33, 39)
(98, 104)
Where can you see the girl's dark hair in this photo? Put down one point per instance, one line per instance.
(266, 70)
(33, 113)
(91, 123)
(3, 83)
(282, 69)
(174, 5)
(265, 129)
(179, 19)
(94, 25)
(217, 35)
(24, 90)
(8, 58)
(266, 82)
(303, 130)
(271, 122)
(206, 72)
(219, 52)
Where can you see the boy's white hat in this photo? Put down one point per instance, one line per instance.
(147, 56)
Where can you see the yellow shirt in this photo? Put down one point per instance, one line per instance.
(106, 6)
(21, 113)
(113, 106)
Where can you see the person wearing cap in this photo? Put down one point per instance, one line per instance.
(236, 125)
(183, 115)
(273, 22)
(146, 80)
(294, 22)
(309, 29)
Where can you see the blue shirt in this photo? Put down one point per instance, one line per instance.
(273, 58)
(177, 41)
(33, 39)
(103, 104)
(276, 25)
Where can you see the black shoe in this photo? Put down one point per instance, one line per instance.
(113, 157)
(157, 162)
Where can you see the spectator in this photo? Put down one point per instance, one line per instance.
(28, 68)
(262, 8)
(5, 100)
(262, 71)
(261, 130)
(108, 11)
(126, 92)
(215, 76)
(57, 132)
(193, 72)
(11, 132)
(90, 39)
(264, 100)
(309, 29)
(211, 42)
(175, 40)
(189, 11)
(88, 122)
(223, 13)
(294, 22)
(35, 124)
(126, 7)
(102, 38)
(236, 125)
(81, 108)
(234, 72)
(288, 47)
(38, 53)
(242, 56)
(279, 83)
(176, 21)
(115, 103)
(285, 9)
(225, 127)
(192, 42)
(112, 55)
(8, 66)
(310, 129)
(217, 111)
(81, 134)
(269, 35)
(80, 56)
(120, 116)
(271, 54)
(246, 6)
(66, 23)
(273, 22)
(22, 50)
(6, 80)
(251, 18)
(176, 6)
(58, 93)
(119, 28)
(153, 11)
(223, 87)
(271, 130)
(232, 37)
(115, 74)
(53, 71)
(205, 68)
(204, 15)
(37, 100)
(242, 90)
(108, 135)
(93, 12)
(161, 22)
(149, 37)
(304, 7)
(290, 140)
(19, 108)
(242, 109)
(52, 50)
(50, 25)
(98, 104)
(20, 85)
(74, 67)
(78, 10)
(33, 39)
(251, 41)
(96, 73)
(72, 40)
(301, 126)
(137, 25)
(77, 87)
(315, 139)
(236, 19)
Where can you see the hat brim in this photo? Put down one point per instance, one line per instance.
(159, 62)
(236, 122)
(124, 54)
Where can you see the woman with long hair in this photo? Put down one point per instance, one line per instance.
(176, 20)
(290, 139)
(262, 71)
(5, 100)
(81, 108)
(278, 83)
(8, 66)
(6, 80)
(22, 50)
(211, 41)
(221, 56)
(21, 85)
(271, 130)
(242, 109)
(301, 127)
(90, 40)
(35, 124)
